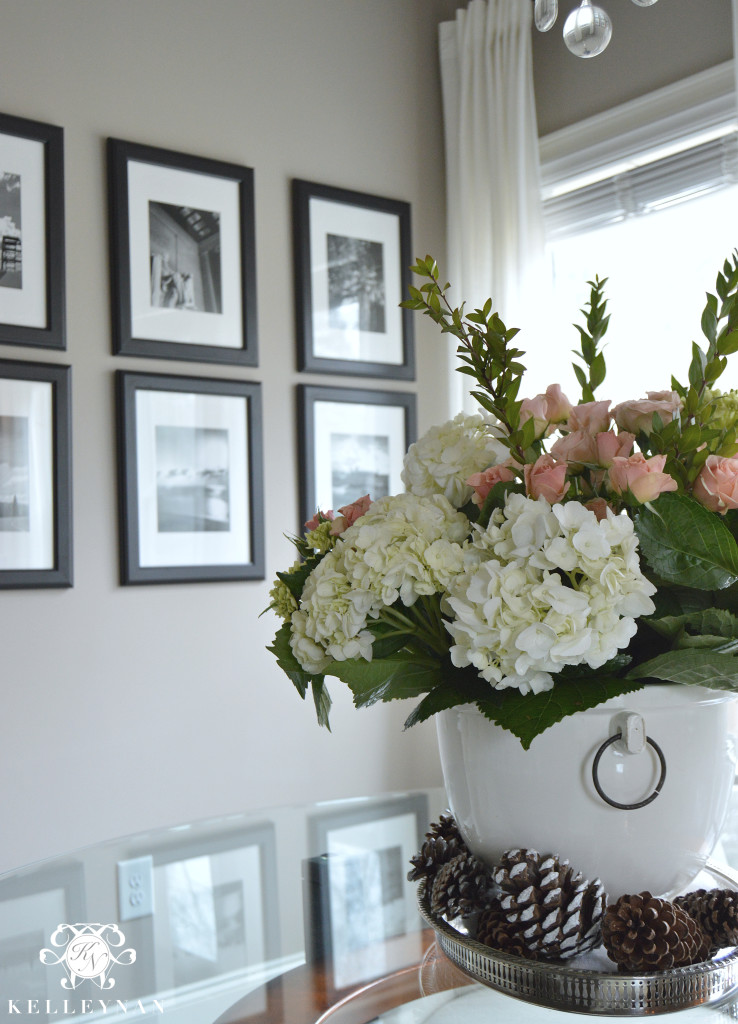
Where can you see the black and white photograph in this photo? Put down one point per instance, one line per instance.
(352, 442)
(15, 475)
(190, 479)
(183, 262)
(35, 475)
(31, 233)
(352, 259)
(11, 243)
(185, 258)
(360, 896)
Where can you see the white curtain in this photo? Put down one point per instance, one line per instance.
(495, 220)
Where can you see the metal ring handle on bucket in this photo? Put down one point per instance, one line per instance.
(603, 794)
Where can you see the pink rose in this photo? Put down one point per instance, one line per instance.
(318, 518)
(576, 448)
(348, 515)
(546, 479)
(592, 417)
(537, 409)
(638, 415)
(612, 446)
(485, 481)
(558, 405)
(644, 478)
(716, 487)
(599, 506)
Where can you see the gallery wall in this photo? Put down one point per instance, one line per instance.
(129, 708)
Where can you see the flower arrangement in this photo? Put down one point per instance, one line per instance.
(546, 555)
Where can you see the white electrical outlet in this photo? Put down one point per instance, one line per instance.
(135, 888)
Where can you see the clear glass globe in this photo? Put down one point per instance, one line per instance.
(645, 3)
(587, 30)
(545, 13)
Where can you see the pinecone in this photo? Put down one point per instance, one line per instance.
(494, 930)
(435, 852)
(461, 887)
(644, 933)
(446, 828)
(557, 913)
(716, 911)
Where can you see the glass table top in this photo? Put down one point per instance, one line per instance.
(298, 914)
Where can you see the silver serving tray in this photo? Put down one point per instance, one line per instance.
(587, 984)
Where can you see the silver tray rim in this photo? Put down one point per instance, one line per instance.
(581, 990)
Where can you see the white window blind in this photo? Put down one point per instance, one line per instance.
(653, 185)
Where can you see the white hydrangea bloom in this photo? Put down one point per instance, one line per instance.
(332, 617)
(556, 587)
(405, 546)
(447, 455)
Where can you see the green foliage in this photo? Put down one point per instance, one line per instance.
(685, 544)
(589, 340)
(303, 680)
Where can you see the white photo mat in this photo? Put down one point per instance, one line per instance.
(328, 217)
(380, 439)
(26, 306)
(147, 183)
(31, 547)
(228, 413)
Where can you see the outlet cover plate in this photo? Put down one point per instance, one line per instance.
(135, 888)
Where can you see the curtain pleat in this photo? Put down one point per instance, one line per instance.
(494, 215)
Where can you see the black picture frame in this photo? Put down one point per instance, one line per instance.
(223, 505)
(319, 409)
(378, 334)
(182, 228)
(32, 261)
(35, 438)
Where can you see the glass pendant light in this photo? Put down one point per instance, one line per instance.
(545, 13)
(587, 30)
(644, 3)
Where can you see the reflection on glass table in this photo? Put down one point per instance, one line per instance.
(289, 916)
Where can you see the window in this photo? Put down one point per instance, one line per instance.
(654, 208)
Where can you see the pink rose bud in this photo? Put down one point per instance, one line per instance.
(637, 416)
(599, 506)
(558, 405)
(537, 409)
(546, 478)
(485, 481)
(612, 446)
(349, 514)
(592, 417)
(716, 487)
(318, 518)
(643, 478)
(576, 448)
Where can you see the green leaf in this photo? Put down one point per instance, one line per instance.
(684, 543)
(322, 701)
(456, 689)
(291, 667)
(295, 581)
(403, 675)
(528, 715)
(388, 639)
(691, 668)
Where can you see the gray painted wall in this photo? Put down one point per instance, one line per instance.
(126, 708)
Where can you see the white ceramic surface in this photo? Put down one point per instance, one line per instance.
(544, 798)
